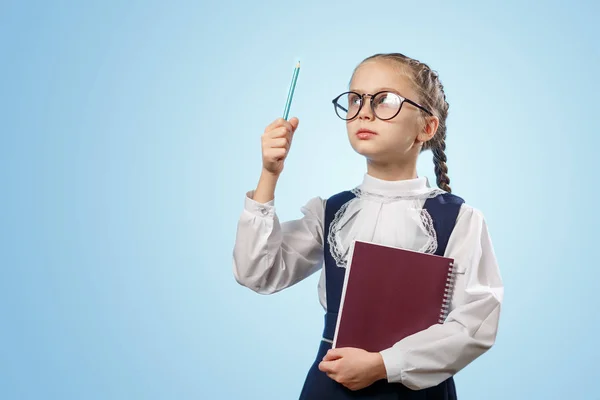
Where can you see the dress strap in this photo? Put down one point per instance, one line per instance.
(443, 209)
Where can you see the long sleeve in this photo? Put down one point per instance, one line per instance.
(269, 256)
(429, 357)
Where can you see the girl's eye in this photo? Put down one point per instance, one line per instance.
(353, 99)
(387, 99)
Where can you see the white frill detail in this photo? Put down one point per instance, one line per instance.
(390, 219)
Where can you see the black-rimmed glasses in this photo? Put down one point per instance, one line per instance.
(385, 105)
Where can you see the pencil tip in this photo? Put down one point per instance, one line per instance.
(298, 64)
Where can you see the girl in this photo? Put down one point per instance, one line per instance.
(395, 109)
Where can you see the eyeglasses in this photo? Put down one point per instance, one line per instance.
(385, 105)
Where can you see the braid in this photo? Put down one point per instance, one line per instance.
(438, 143)
(441, 169)
(432, 96)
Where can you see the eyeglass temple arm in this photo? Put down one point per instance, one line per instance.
(336, 104)
(419, 106)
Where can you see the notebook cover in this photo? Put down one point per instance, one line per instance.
(390, 293)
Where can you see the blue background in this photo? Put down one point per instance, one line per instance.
(130, 132)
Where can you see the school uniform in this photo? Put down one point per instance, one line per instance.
(270, 256)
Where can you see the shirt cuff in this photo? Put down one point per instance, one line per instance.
(259, 209)
(392, 367)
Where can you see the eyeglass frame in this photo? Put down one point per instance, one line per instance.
(372, 96)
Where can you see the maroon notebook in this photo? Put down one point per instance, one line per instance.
(390, 293)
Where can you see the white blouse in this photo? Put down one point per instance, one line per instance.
(269, 256)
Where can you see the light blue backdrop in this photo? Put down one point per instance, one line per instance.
(130, 132)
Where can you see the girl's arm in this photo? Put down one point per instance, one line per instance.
(269, 256)
(429, 357)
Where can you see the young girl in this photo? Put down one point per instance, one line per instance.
(395, 109)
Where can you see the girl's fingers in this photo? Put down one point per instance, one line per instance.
(331, 355)
(326, 366)
(278, 122)
(279, 143)
(281, 123)
(275, 154)
(278, 132)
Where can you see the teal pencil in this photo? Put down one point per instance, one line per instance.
(288, 103)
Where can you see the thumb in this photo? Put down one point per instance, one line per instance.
(294, 122)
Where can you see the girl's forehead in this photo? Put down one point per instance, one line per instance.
(379, 74)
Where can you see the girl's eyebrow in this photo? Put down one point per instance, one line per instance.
(381, 89)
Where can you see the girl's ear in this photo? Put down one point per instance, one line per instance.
(430, 127)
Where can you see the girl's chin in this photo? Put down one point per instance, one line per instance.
(368, 148)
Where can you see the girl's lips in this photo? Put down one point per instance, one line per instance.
(365, 134)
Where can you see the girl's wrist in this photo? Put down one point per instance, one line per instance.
(269, 176)
(379, 366)
(265, 190)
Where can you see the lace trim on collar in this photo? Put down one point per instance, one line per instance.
(335, 246)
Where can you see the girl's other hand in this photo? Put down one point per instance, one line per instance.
(352, 367)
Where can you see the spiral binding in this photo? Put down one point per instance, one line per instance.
(448, 293)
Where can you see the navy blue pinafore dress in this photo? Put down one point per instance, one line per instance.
(443, 210)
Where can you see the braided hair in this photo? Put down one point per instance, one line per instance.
(431, 93)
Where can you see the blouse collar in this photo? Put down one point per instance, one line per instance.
(408, 187)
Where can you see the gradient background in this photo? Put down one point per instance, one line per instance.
(130, 132)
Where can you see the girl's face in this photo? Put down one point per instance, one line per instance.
(396, 140)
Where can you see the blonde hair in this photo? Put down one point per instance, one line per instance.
(430, 90)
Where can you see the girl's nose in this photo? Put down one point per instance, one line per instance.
(366, 112)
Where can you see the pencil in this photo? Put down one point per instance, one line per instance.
(288, 103)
